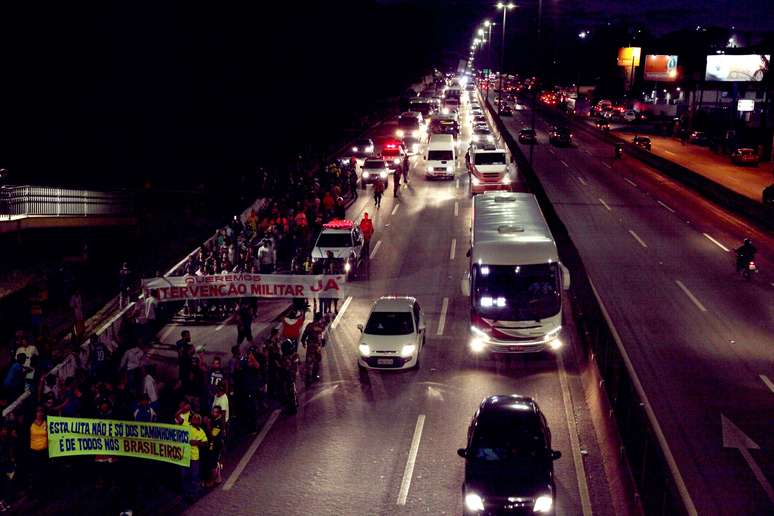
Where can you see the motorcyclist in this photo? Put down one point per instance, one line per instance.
(619, 150)
(745, 254)
(367, 229)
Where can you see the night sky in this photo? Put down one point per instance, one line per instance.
(187, 93)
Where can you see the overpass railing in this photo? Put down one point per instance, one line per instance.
(44, 201)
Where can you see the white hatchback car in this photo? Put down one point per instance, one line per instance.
(394, 335)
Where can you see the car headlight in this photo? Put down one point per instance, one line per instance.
(449, 169)
(383, 174)
(365, 349)
(473, 502)
(354, 149)
(445, 111)
(370, 148)
(347, 267)
(543, 504)
(506, 180)
(415, 133)
(429, 169)
(399, 133)
(476, 181)
(366, 174)
(396, 161)
(408, 350)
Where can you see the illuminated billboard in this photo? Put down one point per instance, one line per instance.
(629, 56)
(660, 67)
(744, 68)
(745, 105)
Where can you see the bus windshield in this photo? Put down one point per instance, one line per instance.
(517, 292)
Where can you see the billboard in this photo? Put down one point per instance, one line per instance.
(659, 67)
(629, 56)
(745, 105)
(743, 68)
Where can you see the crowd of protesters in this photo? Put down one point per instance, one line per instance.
(216, 398)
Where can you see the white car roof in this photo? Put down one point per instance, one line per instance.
(394, 304)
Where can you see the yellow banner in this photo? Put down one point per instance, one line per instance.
(70, 436)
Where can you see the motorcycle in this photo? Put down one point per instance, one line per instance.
(749, 269)
(618, 151)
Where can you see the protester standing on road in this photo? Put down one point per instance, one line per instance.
(396, 182)
(313, 341)
(185, 352)
(191, 477)
(367, 229)
(38, 466)
(148, 316)
(124, 285)
(76, 305)
(378, 191)
(244, 319)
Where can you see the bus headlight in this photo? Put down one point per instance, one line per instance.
(506, 180)
(477, 345)
(555, 344)
(476, 181)
(543, 504)
(399, 133)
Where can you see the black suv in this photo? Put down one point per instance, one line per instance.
(642, 142)
(527, 135)
(509, 463)
(560, 136)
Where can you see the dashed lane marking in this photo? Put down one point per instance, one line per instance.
(251, 451)
(376, 248)
(442, 318)
(453, 249)
(690, 296)
(716, 242)
(769, 383)
(630, 182)
(638, 239)
(605, 205)
(665, 206)
(339, 315)
(605, 164)
(395, 209)
(408, 471)
(582, 181)
(564, 163)
(456, 208)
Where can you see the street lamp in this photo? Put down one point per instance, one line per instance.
(534, 85)
(505, 8)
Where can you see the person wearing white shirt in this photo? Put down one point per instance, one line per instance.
(221, 400)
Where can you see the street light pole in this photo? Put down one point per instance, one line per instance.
(534, 84)
(505, 8)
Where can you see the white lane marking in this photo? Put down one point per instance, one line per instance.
(453, 249)
(637, 238)
(582, 181)
(564, 163)
(458, 183)
(605, 204)
(630, 182)
(665, 206)
(411, 460)
(605, 164)
(587, 151)
(663, 443)
(442, 318)
(572, 428)
(551, 150)
(765, 379)
(670, 152)
(376, 248)
(395, 209)
(251, 451)
(690, 296)
(339, 315)
(456, 208)
(220, 327)
(716, 242)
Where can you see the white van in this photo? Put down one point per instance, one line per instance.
(441, 157)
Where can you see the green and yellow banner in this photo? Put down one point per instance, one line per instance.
(71, 436)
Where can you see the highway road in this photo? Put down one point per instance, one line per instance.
(700, 337)
(385, 442)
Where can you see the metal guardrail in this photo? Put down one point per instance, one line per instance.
(44, 201)
(658, 486)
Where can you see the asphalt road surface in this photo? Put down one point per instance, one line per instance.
(385, 442)
(700, 337)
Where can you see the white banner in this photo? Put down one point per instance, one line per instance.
(218, 286)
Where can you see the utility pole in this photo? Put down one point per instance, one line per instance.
(534, 83)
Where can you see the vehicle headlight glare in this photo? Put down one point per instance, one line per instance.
(399, 133)
(415, 133)
(408, 350)
(476, 181)
(396, 161)
(474, 502)
(364, 349)
(347, 267)
(555, 344)
(354, 149)
(366, 174)
(543, 504)
(506, 180)
(383, 174)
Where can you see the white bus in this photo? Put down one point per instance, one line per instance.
(515, 280)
